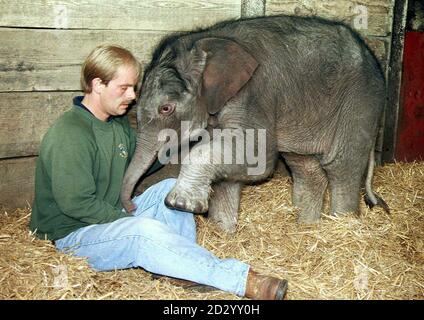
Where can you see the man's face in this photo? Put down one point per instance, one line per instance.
(119, 92)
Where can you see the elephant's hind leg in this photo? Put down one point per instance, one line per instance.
(224, 205)
(345, 180)
(309, 185)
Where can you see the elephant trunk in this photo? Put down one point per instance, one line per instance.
(145, 154)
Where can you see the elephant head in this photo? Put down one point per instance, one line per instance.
(187, 80)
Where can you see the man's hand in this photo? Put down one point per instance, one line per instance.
(131, 207)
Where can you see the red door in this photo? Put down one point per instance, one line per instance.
(410, 138)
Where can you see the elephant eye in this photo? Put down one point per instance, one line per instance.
(167, 109)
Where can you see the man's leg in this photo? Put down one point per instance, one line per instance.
(162, 241)
(154, 246)
(256, 286)
(150, 204)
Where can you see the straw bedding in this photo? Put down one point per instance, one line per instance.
(373, 256)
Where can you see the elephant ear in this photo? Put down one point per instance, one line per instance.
(228, 68)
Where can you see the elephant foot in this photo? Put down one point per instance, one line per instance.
(307, 220)
(226, 225)
(187, 200)
(309, 217)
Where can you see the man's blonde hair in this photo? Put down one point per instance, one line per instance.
(103, 62)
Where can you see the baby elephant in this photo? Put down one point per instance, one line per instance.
(306, 88)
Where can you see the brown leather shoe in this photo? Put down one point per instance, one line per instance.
(260, 287)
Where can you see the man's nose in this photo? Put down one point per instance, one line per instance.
(130, 93)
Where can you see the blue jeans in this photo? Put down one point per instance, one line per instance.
(158, 239)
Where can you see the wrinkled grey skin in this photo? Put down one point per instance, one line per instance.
(312, 84)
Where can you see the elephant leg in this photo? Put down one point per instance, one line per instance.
(345, 180)
(309, 185)
(193, 187)
(217, 160)
(191, 191)
(224, 205)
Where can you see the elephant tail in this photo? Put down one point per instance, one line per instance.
(371, 198)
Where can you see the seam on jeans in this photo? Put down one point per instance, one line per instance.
(79, 244)
(147, 208)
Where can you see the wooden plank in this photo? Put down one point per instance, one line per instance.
(252, 8)
(50, 60)
(394, 83)
(379, 12)
(41, 60)
(16, 183)
(26, 116)
(111, 14)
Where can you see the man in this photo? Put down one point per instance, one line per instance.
(81, 165)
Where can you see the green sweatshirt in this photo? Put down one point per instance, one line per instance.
(79, 173)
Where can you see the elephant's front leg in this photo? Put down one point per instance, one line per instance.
(193, 187)
(224, 205)
(206, 163)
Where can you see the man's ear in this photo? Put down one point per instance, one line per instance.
(97, 85)
(228, 68)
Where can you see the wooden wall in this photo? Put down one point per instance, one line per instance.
(375, 27)
(43, 43)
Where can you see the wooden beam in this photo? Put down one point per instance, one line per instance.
(26, 116)
(40, 60)
(114, 15)
(393, 107)
(252, 8)
(379, 12)
(50, 60)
